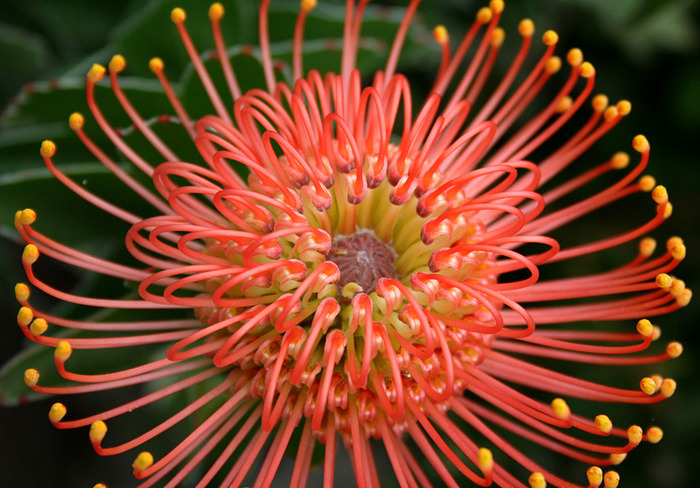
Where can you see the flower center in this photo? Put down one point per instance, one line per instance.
(362, 259)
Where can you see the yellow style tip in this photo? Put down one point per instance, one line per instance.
(600, 102)
(178, 15)
(603, 423)
(63, 351)
(677, 287)
(678, 252)
(100, 485)
(497, 6)
(537, 480)
(648, 385)
(674, 349)
(38, 327)
(561, 408)
(216, 11)
(21, 293)
(30, 254)
(564, 104)
(620, 160)
(98, 431)
(668, 387)
(586, 70)
(684, 298)
(96, 73)
(31, 377)
(595, 476)
(24, 316)
(25, 217)
(647, 246)
(498, 37)
(668, 210)
(441, 35)
(617, 458)
(526, 28)
(550, 38)
(553, 65)
(610, 113)
(611, 479)
(48, 149)
(76, 121)
(645, 328)
(640, 143)
(624, 107)
(484, 15)
(676, 247)
(117, 64)
(57, 412)
(574, 57)
(663, 280)
(156, 65)
(485, 459)
(654, 435)
(673, 242)
(307, 5)
(635, 434)
(143, 461)
(660, 194)
(647, 183)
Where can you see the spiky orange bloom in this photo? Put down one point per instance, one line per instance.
(359, 272)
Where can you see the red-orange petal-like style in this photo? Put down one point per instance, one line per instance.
(296, 330)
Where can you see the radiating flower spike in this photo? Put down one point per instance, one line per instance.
(116, 65)
(216, 13)
(378, 271)
(178, 16)
(442, 37)
(304, 8)
(157, 66)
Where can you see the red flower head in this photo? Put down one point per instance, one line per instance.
(358, 267)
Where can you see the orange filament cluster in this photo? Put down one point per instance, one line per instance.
(376, 274)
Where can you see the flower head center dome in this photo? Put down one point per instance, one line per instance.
(362, 259)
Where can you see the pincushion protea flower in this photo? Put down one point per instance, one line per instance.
(359, 267)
